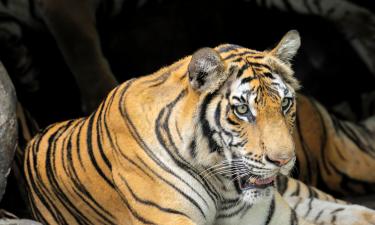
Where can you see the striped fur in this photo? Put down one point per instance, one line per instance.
(334, 155)
(173, 147)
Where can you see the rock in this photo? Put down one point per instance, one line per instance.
(18, 222)
(8, 126)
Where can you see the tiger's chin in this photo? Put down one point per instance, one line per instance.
(254, 190)
(253, 196)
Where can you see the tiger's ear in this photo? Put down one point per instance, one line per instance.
(205, 70)
(287, 48)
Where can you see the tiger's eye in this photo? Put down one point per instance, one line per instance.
(242, 109)
(285, 104)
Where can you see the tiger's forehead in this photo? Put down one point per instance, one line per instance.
(236, 53)
(260, 90)
(251, 64)
(256, 80)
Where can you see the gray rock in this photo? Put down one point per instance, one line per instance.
(18, 222)
(8, 126)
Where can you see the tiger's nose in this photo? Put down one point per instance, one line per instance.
(279, 159)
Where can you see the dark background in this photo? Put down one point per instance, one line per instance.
(143, 39)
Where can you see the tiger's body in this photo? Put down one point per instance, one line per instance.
(198, 142)
(332, 154)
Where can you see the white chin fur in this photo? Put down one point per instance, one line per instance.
(253, 196)
(285, 170)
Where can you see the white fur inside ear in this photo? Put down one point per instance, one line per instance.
(288, 46)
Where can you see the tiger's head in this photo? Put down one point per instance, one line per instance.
(247, 108)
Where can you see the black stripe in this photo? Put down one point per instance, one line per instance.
(242, 70)
(349, 184)
(297, 191)
(162, 127)
(309, 207)
(232, 122)
(234, 213)
(247, 80)
(135, 134)
(242, 54)
(90, 151)
(271, 211)
(282, 184)
(178, 130)
(318, 215)
(193, 150)
(228, 47)
(34, 184)
(81, 189)
(334, 216)
(260, 65)
(150, 203)
(99, 136)
(267, 74)
(134, 212)
(293, 218)
(50, 169)
(207, 132)
(161, 79)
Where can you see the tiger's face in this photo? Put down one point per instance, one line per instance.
(246, 119)
(256, 129)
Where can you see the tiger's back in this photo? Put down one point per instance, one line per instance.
(71, 177)
(72, 161)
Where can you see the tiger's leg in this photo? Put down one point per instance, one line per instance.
(277, 212)
(320, 208)
(153, 196)
(73, 24)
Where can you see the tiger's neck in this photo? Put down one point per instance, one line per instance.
(158, 112)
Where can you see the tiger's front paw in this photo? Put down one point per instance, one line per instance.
(353, 215)
(346, 215)
(323, 212)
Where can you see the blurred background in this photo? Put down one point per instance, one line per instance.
(147, 35)
(335, 63)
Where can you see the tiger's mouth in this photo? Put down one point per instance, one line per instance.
(249, 182)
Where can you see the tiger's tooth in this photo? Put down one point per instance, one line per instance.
(252, 180)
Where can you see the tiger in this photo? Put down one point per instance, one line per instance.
(73, 25)
(206, 140)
